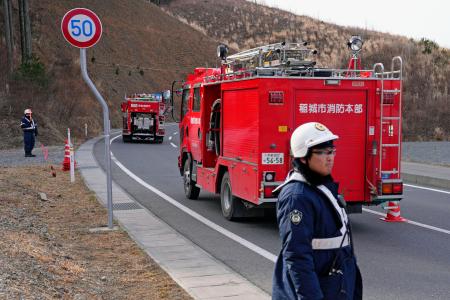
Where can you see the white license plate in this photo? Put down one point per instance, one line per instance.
(273, 158)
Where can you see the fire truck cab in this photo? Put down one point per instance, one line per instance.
(143, 117)
(236, 122)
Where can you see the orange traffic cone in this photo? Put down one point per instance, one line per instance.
(66, 161)
(393, 213)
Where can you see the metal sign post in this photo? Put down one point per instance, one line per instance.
(106, 131)
(82, 28)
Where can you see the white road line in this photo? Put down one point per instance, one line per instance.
(374, 212)
(170, 138)
(173, 145)
(264, 253)
(409, 221)
(175, 133)
(425, 188)
(111, 140)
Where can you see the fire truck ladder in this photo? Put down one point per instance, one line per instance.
(272, 56)
(389, 94)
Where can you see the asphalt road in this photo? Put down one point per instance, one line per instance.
(397, 260)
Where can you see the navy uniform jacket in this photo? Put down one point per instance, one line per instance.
(308, 221)
(28, 125)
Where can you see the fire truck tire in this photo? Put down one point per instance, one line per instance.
(190, 189)
(232, 206)
(126, 138)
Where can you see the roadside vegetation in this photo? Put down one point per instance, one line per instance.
(48, 252)
(142, 50)
(243, 25)
(148, 44)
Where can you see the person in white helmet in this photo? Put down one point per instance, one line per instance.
(29, 128)
(316, 260)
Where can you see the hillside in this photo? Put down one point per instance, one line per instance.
(145, 47)
(142, 50)
(242, 25)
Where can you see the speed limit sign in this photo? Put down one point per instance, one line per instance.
(81, 27)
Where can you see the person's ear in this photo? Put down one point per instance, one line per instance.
(303, 160)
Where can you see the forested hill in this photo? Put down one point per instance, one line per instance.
(148, 44)
(243, 25)
(142, 49)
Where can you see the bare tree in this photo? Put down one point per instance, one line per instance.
(25, 30)
(9, 34)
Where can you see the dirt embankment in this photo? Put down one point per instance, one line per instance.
(142, 50)
(426, 67)
(48, 252)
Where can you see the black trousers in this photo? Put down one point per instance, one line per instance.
(28, 141)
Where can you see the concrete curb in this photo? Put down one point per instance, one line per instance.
(426, 174)
(200, 274)
(426, 180)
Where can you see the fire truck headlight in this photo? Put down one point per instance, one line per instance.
(355, 43)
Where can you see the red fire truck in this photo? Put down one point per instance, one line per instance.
(236, 122)
(143, 117)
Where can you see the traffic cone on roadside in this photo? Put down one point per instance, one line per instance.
(393, 212)
(66, 161)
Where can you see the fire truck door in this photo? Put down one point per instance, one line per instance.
(344, 112)
(184, 123)
(195, 133)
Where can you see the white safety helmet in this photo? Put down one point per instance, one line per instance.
(308, 135)
(27, 111)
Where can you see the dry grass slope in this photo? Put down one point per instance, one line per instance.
(242, 25)
(47, 251)
(142, 50)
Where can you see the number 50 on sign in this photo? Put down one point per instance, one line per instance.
(81, 27)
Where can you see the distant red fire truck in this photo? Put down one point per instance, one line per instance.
(236, 122)
(143, 117)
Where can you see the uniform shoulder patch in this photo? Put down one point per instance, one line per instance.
(296, 216)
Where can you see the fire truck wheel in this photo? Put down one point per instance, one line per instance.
(126, 138)
(190, 190)
(232, 206)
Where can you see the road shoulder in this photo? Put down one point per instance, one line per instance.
(426, 174)
(200, 274)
